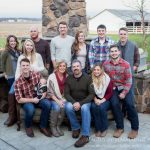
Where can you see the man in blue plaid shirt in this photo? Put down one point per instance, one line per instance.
(99, 47)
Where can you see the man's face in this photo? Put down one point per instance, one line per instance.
(34, 33)
(123, 35)
(76, 68)
(25, 67)
(63, 29)
(101, 32)
(114, 53)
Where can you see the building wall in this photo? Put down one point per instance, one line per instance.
(112, 22)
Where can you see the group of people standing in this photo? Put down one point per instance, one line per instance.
(88, 79)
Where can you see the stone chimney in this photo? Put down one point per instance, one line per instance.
(71, 11)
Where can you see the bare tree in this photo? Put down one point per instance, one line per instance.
(141, 6)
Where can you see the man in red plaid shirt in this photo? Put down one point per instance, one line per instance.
(24, 92)
(119, 71)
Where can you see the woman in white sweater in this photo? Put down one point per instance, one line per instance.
(36, 61)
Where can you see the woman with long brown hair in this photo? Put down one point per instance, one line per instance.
(103, 91)
(9, 63)
(80, 51)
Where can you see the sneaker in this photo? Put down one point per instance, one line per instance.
(118, 133)
(133, 134)
(29, 132)
(103, 134)
(75, 133)
(98, 134)
(81, 141)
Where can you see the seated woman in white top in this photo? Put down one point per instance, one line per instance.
(55, 89)
(36, 61)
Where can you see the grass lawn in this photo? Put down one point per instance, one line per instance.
(137, 38)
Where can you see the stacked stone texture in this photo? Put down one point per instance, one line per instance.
(71, 11)
(142, 94)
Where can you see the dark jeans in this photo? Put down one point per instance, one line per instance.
(10, 81)
(99, 113)
(128, 102)
(29, 109)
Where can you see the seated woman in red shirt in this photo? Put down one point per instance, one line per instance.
(103, 91)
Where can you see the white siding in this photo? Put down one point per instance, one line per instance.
(112, 22)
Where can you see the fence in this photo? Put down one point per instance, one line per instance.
(138, 29)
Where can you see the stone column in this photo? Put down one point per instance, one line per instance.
(71, 11)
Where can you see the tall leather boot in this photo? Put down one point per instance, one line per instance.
(59, 122)
(53, 123)
(12, 112)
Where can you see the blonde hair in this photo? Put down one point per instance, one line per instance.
(60, 62)
(97, 81)
(32, 52)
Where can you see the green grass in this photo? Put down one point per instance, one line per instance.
(2, 42)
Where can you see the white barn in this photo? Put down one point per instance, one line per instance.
(115, 19)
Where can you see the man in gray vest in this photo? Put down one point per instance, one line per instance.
(130, 53)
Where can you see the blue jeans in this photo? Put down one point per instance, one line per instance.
(85, 114)
(55, 106)
(12, 90)
(99, 113)
(130, 107)
(29, 109)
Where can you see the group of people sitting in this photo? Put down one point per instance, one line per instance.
(86, 79)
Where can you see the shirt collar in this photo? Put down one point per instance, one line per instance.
(119, 62)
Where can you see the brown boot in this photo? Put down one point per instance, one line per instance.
(81, 141)
(12, 112)
(59, 122)
(133, 134)
(53, 123)
(118, 133)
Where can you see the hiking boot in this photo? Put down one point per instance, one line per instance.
(133, 134)
(98, 134)
(81, 141)
(118, 133)
(103, 134)
(29, 132)
(75, 133)
(46, 132)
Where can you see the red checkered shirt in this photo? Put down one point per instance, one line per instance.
(120, 74)
(25, 88)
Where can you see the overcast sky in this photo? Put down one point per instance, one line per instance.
(33, 8)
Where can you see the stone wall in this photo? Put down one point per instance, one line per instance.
(142, 92)
(71, 11)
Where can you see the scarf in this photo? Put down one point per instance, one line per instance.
(101, 90)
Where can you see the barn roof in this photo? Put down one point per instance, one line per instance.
(127, 15)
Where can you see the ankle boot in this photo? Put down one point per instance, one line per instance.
(12, 112)
(59, 122)
(53, 122)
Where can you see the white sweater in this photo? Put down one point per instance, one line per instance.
(36, 66)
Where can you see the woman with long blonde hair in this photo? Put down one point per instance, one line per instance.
(35, 59)
(103, 91)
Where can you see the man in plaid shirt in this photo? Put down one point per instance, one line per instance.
(119, 71)
(24, 92)
(99, 47)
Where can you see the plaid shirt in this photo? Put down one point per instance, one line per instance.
(120, 74)
(99, 52)
(25, 88)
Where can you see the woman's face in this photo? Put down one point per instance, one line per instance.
(81, 38)
(12, 42)
(97, 71)
(28, 47)
(62, 68)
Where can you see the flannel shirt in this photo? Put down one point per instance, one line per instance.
(99, 52)
(120, 74)
(25, 88)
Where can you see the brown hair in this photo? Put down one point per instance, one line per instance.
(63, 22)
(75, 46)
(25, 60)
(7, 46)
(124, 29)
